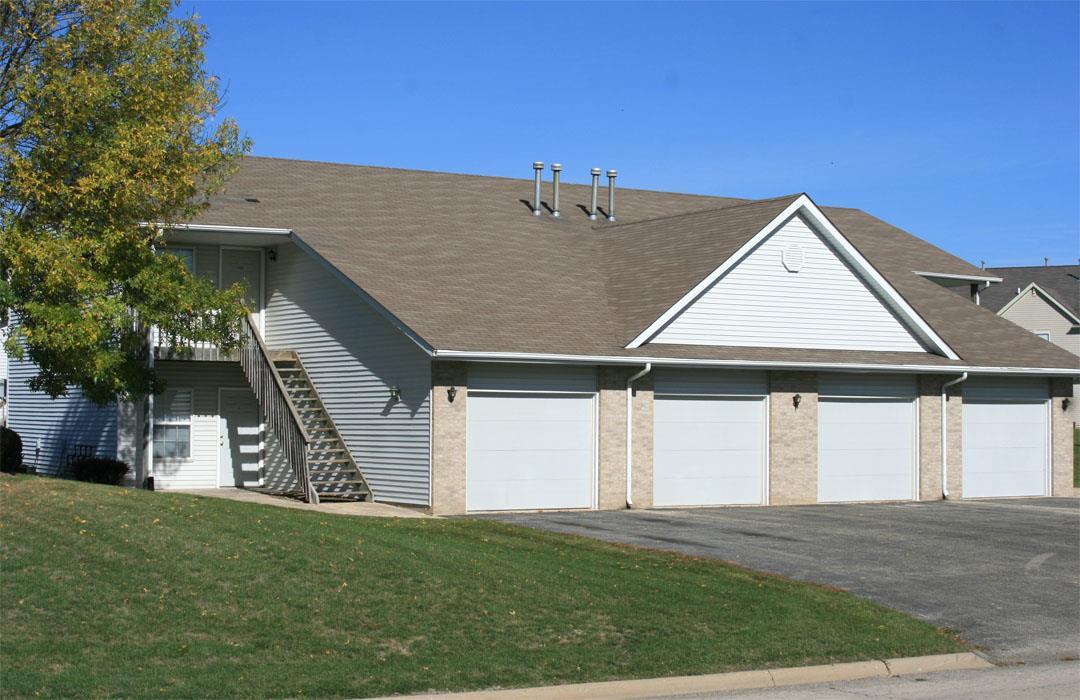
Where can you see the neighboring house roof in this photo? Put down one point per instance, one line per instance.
(1062, 282)
(463, 263)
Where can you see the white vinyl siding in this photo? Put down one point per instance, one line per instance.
(1005, 438)
(867, 439)
(354, 356)
(760, 303)
(52, 429)
(530, 438)
(709, 434)
(202, 379)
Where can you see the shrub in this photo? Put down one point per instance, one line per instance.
(10, 451)
(99, 470)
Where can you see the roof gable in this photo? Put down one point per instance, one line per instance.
(1047, 298)
(755, 298)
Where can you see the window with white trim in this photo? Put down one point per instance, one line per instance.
(172, 424)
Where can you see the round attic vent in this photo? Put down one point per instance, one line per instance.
(792, 258)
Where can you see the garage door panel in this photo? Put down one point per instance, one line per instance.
(708, 450)
(531, 434)
(866, 447)
(529, 451)
(871, 436)
(702, 435)
(1004, 437)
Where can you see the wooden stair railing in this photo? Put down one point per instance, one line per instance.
(277, 407)
(334, 472)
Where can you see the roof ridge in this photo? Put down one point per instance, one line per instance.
(697, 212)
(420, 171)
(1029, 267)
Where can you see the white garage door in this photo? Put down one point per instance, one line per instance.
(709, 438)
(1005, 438)
(530, 438)
(866, 438)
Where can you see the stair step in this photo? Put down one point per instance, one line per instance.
(341, 482)
(321, 462)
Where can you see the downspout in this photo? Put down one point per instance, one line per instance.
(630, 432)
(945, 435)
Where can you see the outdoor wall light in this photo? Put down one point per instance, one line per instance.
(451, 394)
(1065, 403)
(796, 400)
(395, 394)
(271, 255)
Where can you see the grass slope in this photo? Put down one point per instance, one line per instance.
(115, 592)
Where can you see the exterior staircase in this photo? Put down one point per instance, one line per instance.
(333, 472)
(306, 435)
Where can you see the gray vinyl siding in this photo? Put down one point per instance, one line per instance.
(354, 355)
(1038, 316)
(51, 428)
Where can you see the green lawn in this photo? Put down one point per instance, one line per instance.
(113, 592)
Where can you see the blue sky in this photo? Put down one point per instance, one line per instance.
(959, 122)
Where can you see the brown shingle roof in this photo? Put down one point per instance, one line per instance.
(461, 260)
(1060, 281)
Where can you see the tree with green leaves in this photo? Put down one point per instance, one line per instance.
(108, 134)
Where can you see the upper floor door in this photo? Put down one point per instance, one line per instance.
(245, 265)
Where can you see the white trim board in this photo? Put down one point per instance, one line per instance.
(1047, 297)
(545, 358)
(805, 206)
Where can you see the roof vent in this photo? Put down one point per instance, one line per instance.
(611, 175)
(538, 167)
(556, 168)
(595, 172)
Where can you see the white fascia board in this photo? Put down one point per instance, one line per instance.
(544, 358)
(1047, 297)
(972, 279)
(218, 228)
(803, 204)
(382, 310)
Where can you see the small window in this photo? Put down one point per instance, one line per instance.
(172, 424)
(185, 254)
(1045, 335)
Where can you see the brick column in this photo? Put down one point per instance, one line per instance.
(793, 436)
(1061, 436)
(448, 426)
(642, 485)
(611, 385)
(930, 436)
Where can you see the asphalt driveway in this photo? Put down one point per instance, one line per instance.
(1005, 573)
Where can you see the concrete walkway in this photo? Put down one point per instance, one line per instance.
(366, 509)
(1059, 681)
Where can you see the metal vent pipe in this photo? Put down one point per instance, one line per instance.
(611, 175)
(538, 168)
(556, 168)
(595, 188)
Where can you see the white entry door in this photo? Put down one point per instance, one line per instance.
(866, 438)
(244, 265)
(709, 438)
(239, 438)
(1005, 438)
(530, 442)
